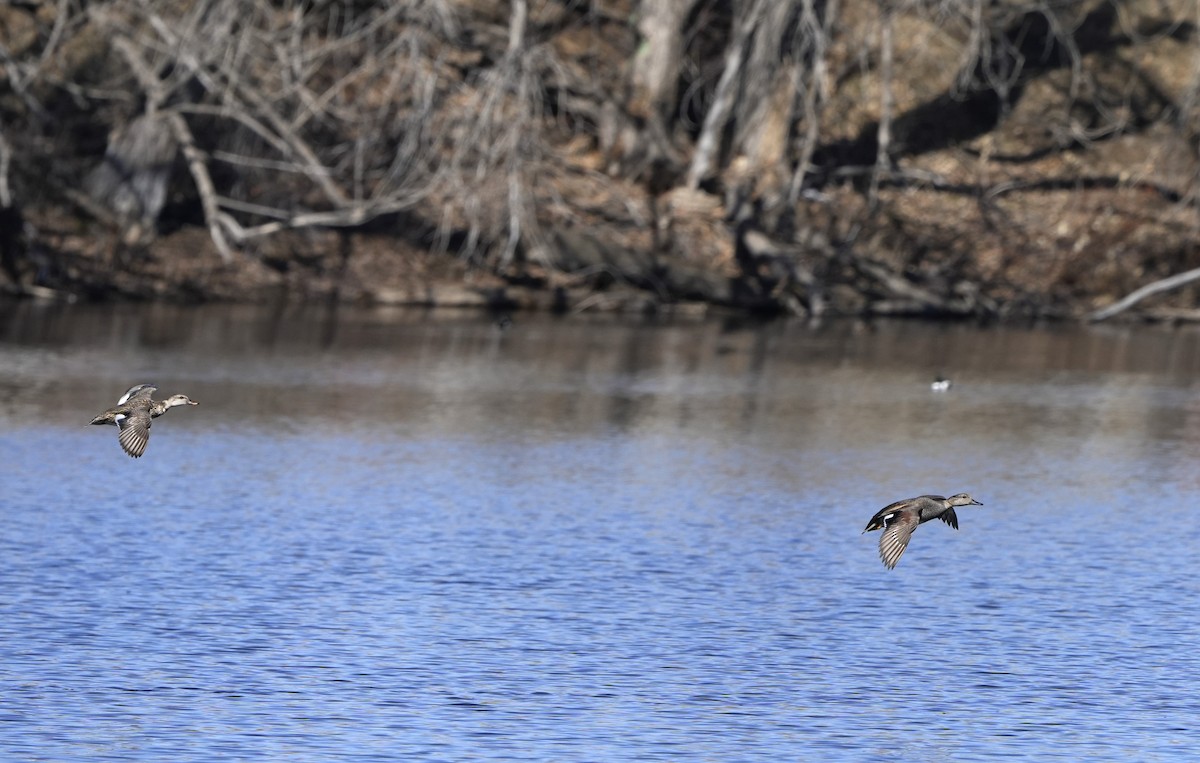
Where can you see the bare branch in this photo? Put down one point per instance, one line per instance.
(1149, 290)
(714, 122)
(886, 102)
(516, 28)
(315, 169)
(817, 32)
(6, 196)
(183, 136)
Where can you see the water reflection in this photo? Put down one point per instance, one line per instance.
(598, 371)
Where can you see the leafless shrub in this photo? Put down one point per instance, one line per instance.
(291, 114)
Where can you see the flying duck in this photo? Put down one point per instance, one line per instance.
(132, 415)
(898, 520)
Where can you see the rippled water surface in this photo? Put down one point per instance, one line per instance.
(407, 537)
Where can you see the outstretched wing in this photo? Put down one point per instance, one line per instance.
(895, 537)
(950, 518)
(135, 433)
(137, 390)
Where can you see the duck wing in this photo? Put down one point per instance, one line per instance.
(888, 513)
(950, 518)
(135, 432)
(897, 531)
(137, 390)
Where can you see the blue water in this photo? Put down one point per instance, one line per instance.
(423, 540)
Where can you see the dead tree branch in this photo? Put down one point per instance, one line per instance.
(187, 143)
(1149, 290)
(708, 144)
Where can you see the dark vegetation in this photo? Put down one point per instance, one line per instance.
(958, 158)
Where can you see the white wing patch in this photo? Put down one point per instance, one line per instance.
(133, 391)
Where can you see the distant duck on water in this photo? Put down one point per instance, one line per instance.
(132, 415)
(940, 384)
(898, 520)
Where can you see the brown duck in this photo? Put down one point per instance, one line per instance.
(898, 520)
(132, 415)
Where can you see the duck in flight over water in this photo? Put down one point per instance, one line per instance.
(132, 415)
(898, 520)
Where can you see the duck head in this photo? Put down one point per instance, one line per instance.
(962, 499)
